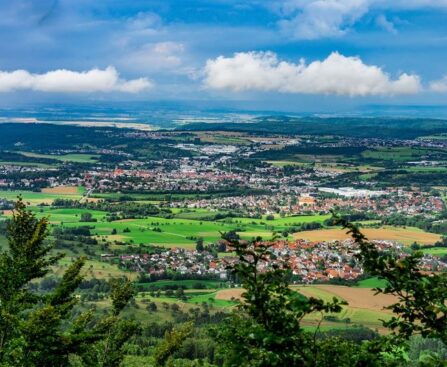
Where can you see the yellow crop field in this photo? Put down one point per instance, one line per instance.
(406, 235)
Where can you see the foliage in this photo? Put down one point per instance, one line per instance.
(172, 342)
(421, 307)
(266, 330)
(39, 329)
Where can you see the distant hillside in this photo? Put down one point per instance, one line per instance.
(401, 128)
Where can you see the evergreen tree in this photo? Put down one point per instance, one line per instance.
(38, 329)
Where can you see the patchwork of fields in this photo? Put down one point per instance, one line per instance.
(175, 232)
(364, 308)
(187, 226)
(47, 196)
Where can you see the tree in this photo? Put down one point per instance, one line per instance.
(199, 245)
(38, 329)
(266, 329)
(152, 307)
(415, 246)
(86, 217)
(172, 342)
(422, 298)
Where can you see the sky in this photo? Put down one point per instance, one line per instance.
(285, 54)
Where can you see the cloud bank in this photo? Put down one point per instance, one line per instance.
(337, 75)
(67, 81)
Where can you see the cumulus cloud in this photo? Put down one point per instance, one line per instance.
(337, 74)
(67, 81)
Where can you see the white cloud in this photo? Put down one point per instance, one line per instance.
(313, 19)
(321, 18)
(384, 23)
(337, 74)
(156, 56)
(161, 57)
(439, 86)
(67, 81)
(145, 20)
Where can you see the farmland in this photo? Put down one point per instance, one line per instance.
(77, 158)
(175, 232)
(438, 251)
(152, 207)
(364, 308)
(46, 196)
(406, 235)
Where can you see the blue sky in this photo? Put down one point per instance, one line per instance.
(306, 54)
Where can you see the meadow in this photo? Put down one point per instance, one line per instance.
(46, 196)
(188, 225)
(371, 283)
(186, 284)
(172, 232)
(75, 157)
(437, 251)
(396, 153)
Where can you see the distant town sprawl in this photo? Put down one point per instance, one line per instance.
(156, 202)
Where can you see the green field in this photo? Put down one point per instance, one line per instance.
(438, 251)
(194, 298)
(371, 283)
(175, 232)
(35, 198)
(281, 221)
(76, 158)
(187, 284)
(396, 153)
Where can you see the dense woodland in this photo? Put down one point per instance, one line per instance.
(402, 128)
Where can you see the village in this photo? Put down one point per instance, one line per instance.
(309, 262)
